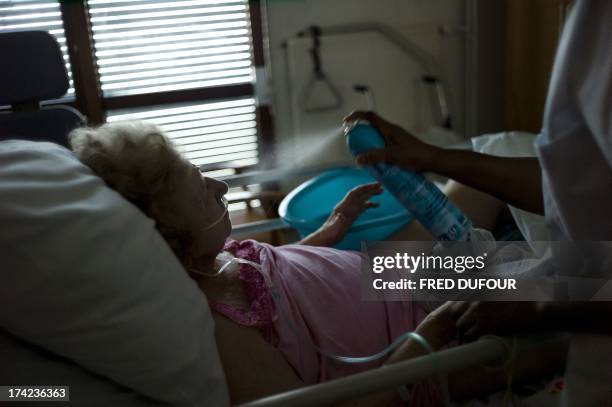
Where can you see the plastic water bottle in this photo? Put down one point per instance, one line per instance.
(421, 197)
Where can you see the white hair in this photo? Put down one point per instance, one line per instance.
(137, 160)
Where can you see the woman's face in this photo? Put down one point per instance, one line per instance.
(200, 202)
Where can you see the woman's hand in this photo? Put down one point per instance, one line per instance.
(438, 329)
(440, 326)
(403, 149)
(345, 213)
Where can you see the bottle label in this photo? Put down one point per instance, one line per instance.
(426, 202)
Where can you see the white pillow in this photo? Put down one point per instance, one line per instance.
(86, 276)
(517, 144)
(25, 363)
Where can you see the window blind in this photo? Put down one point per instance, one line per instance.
(44, 15)
(145, 46)
(206, 133)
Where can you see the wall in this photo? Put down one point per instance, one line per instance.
(438, 26)
(485, 67)
(532, 34)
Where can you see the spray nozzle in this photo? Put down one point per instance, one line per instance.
(348, 127)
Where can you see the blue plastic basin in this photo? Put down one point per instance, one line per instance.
(311, 203)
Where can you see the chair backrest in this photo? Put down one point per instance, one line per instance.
(32, 71)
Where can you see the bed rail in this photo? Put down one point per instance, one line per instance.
(487, 350)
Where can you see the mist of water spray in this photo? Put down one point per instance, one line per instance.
(324, 145)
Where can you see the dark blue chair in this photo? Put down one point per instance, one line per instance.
(32, 71)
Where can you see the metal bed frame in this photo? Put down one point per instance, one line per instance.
(487, 350)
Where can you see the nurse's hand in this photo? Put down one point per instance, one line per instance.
(403, 149)
(345, 213)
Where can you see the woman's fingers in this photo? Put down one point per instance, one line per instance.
(365, 191)
(358, 199)
(369, 185)
(457, 308)
(467, 318)
(373, 188)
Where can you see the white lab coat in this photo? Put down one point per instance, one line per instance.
(575, 146)
(575, 152)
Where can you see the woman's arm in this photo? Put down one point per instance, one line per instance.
(516, 181)
(343, 216)
(253, 368)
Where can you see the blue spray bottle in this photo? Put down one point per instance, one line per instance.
(421, 197)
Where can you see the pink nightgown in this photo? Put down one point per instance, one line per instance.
(321, 293)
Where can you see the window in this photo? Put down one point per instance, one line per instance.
(157, 46)
(186, 65)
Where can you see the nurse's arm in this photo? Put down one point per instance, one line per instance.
(504, 318)
(516, 181)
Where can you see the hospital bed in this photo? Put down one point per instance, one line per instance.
(154, 272)
(62, 325)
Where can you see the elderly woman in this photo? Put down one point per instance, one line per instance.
(262, 352)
